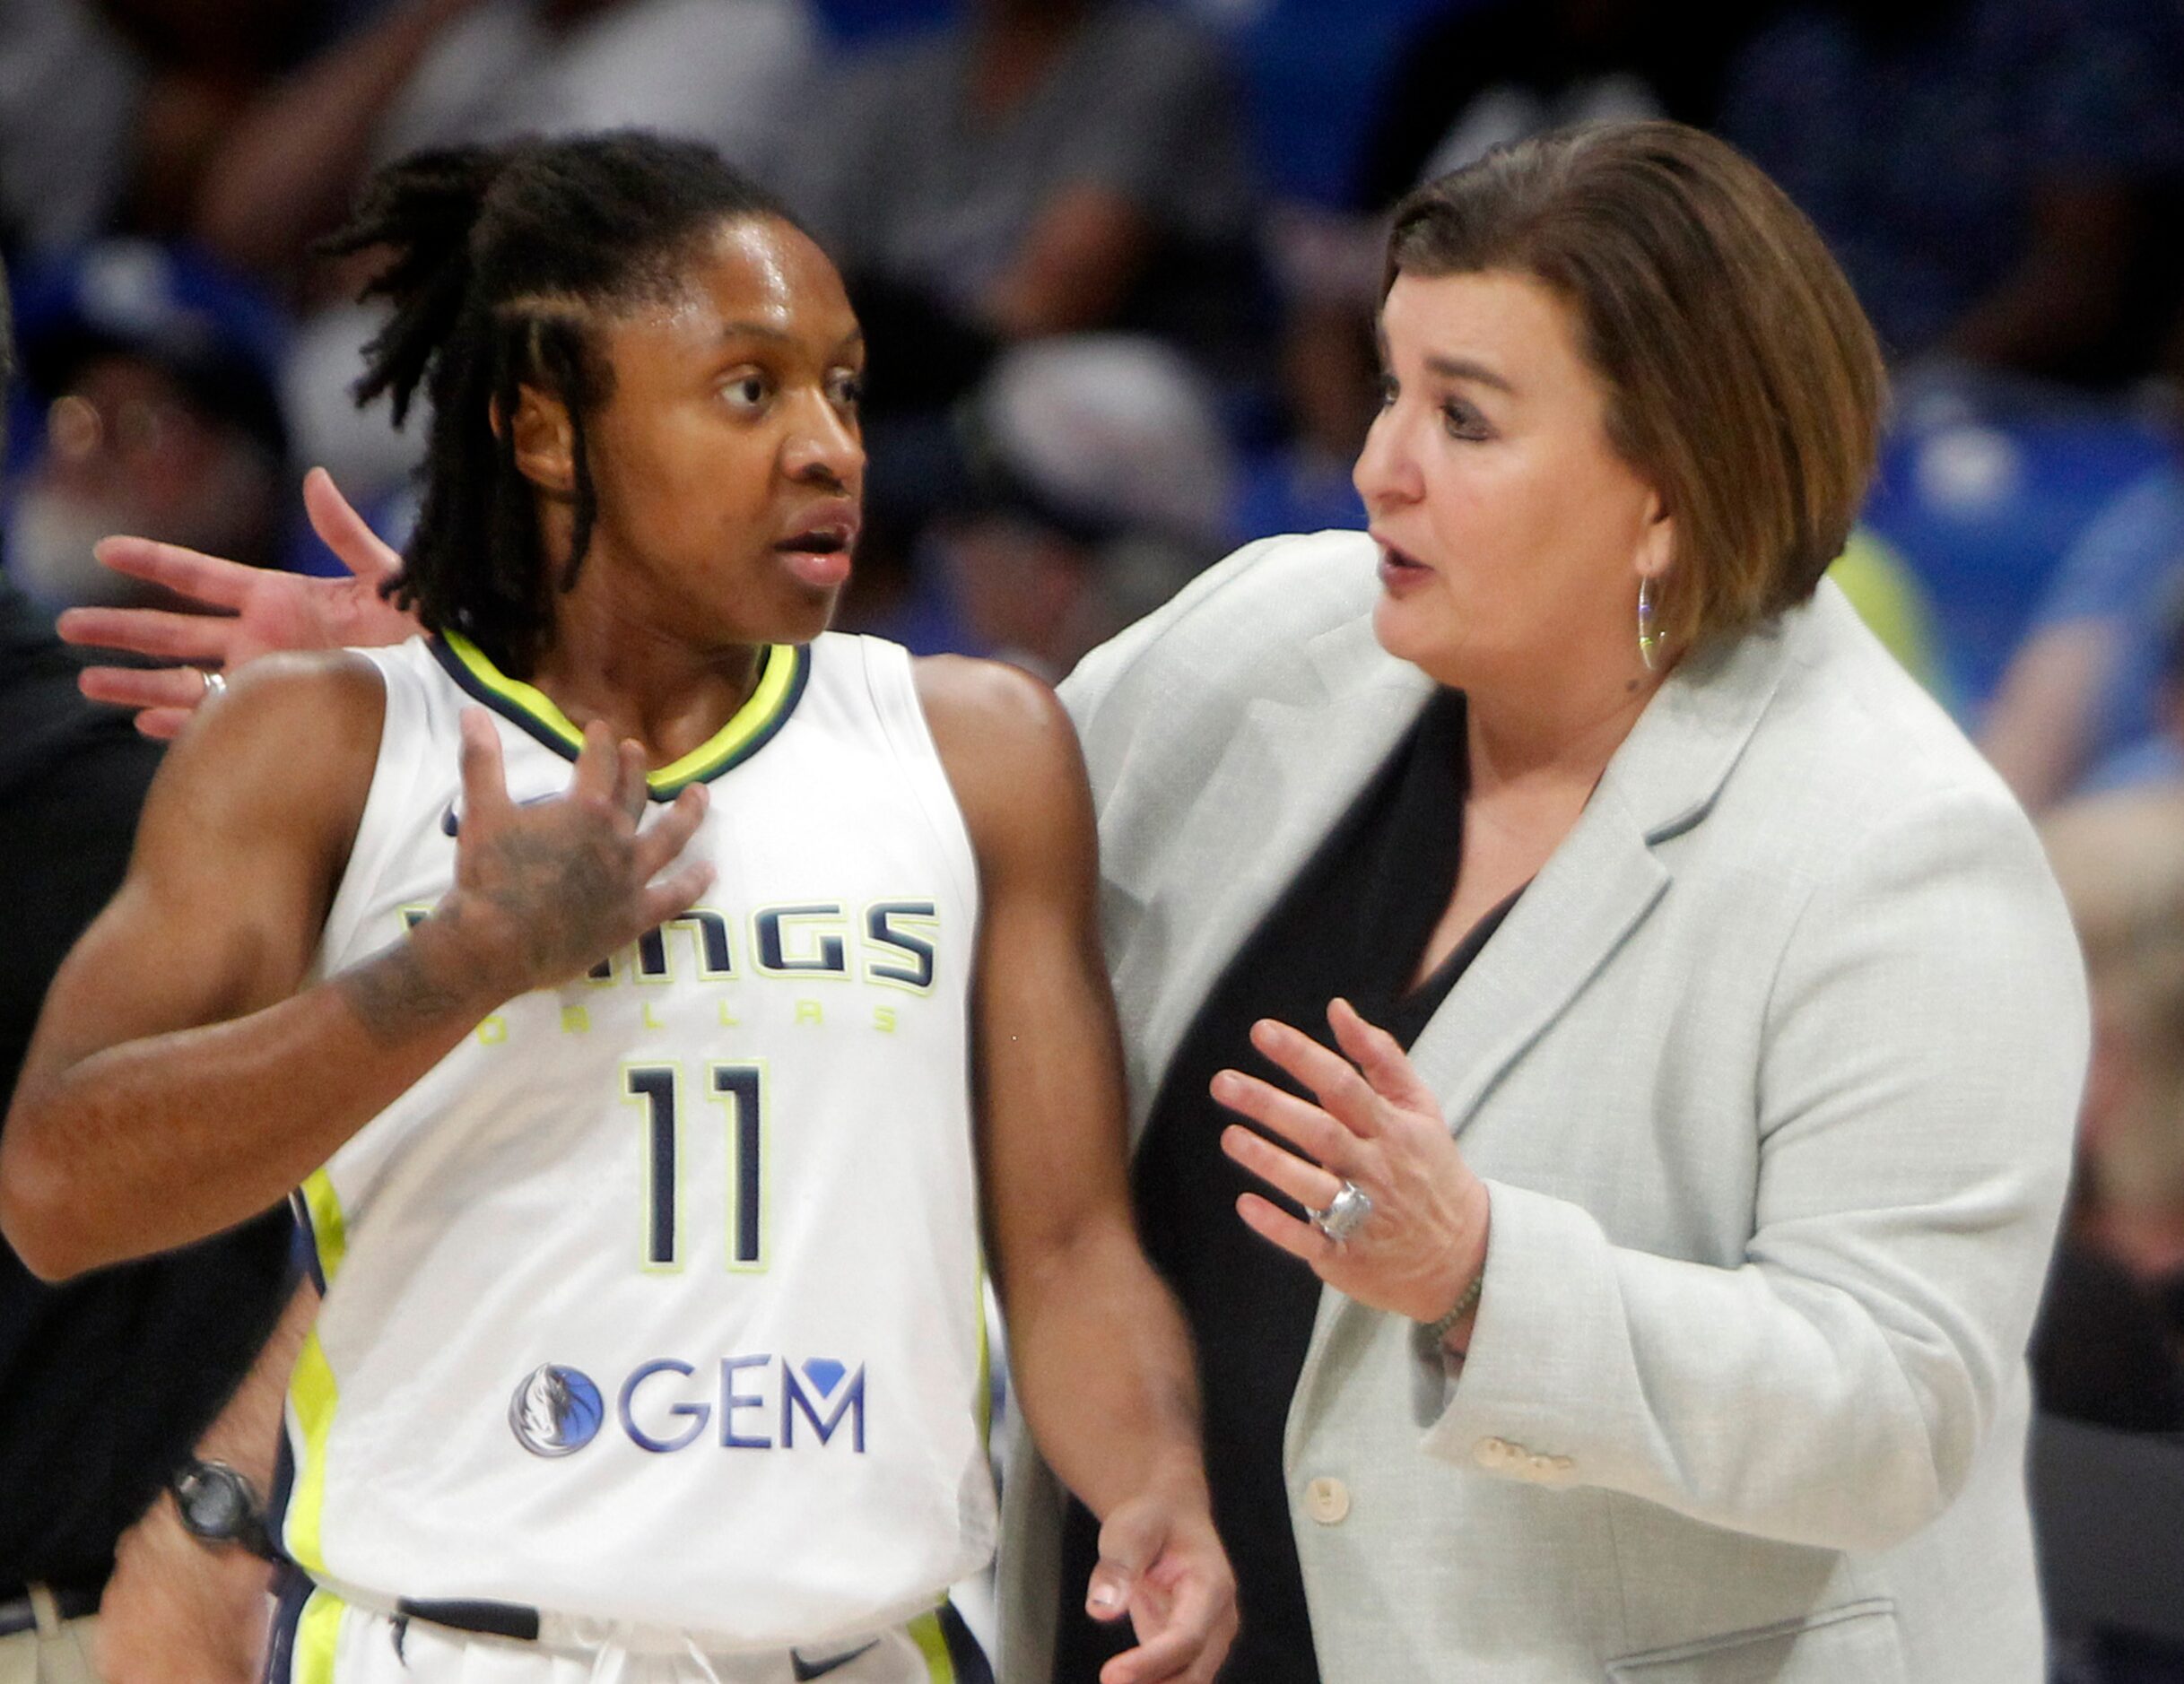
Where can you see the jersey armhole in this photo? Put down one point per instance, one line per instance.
(893, 689)
(394, 775)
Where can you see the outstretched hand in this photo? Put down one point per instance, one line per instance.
(256, 611)
(1162, 1564)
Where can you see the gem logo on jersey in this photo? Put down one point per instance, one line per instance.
(759, 1403)
(756, 1401)
(556, 1412)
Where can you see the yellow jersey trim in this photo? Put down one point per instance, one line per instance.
(782, 673)
(317, 1638)
(314, 1397)
(330, 1231)
(932, 1642)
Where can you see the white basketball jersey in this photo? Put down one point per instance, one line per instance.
(657, 1302)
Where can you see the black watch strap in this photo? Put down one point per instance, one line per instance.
(218, 1506)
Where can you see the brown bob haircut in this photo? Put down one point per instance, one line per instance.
(1743, 382)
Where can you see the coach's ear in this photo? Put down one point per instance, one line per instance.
(546, 442)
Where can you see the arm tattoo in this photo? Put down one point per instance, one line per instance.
(394, 996)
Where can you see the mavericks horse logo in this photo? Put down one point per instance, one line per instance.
(556, 1412)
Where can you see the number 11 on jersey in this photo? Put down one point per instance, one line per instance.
(740, 1090)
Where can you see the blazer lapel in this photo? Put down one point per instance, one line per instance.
(1605, 877)
(1595, 889)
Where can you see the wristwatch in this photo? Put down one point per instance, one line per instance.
(219, 1506)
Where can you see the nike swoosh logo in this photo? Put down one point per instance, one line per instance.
(451, 821)
(807, 1670)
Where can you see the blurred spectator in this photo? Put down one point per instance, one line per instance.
(106, 1382)
(2080, 705)
(2103, 1350)
(1048, 166)
(156, 376)
(1987, 170)
(1472, 77)
(1040, 167)
(438, 72)
(1480, 76)
(2108, 1347)
(69, 91)
(2119, 858)
(1099, 479)
(109, 110)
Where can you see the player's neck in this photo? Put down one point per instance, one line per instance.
(644, 682)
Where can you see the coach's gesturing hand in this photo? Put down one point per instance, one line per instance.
(239, 613)
(544, 890)
(1375, 1145)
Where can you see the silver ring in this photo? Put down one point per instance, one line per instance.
(215, 685)
(1347, 1212)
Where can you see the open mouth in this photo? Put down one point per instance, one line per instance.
(1399, 562)
(823, 541)
(819, 554)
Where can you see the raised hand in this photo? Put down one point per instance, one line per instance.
(257, 612)
(1377, 1126)
(543, 892)
(547, 889)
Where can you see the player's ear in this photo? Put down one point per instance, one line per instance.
(544, 440)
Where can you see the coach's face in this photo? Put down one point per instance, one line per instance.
(1513, 535)
(726, 454)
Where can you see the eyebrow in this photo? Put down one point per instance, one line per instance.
(1463, 368)
(767, 331)
(1448, 368)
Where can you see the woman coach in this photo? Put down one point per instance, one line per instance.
(1676, 1332)
(1746, 1130)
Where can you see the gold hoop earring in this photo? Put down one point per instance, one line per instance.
(1648, 634)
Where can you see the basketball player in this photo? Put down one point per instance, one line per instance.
(643, 987)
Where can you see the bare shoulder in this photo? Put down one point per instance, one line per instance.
(287, 752)
(338, 687)
(973, 702)
(1008, 748)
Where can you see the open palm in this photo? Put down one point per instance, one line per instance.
(253, 611)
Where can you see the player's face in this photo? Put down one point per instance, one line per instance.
(1512, 533)
(728, 456)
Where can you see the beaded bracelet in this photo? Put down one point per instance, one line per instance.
(1469, 1297)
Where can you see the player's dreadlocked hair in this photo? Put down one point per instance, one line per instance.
(504, 256)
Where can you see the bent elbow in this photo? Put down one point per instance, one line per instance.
(1926, 1466)
(1858, 1505)
(29, 1236)
(37, 1216)
(1897, 1511)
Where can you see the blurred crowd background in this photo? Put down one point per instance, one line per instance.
(1118, 263)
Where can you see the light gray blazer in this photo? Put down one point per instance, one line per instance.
(1771, 1074)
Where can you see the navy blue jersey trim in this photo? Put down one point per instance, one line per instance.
(296, 1589)
(964, 1651)
(299, 1208)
